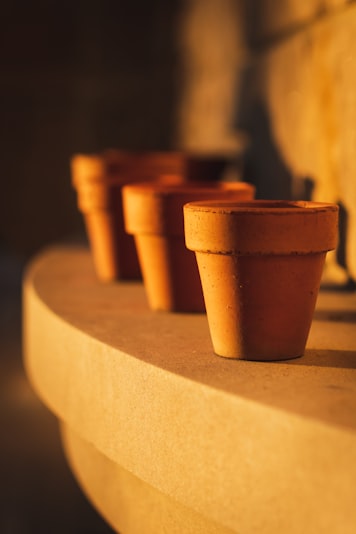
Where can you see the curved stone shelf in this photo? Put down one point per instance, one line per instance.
(157, 427)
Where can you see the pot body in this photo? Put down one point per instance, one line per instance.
(113, 250)
(153, 213)
(170, 273)
(260, 270)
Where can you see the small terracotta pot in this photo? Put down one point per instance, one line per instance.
(153, 213)
(260, 265)
(98, 180)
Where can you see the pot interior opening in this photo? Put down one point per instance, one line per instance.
(258, 205)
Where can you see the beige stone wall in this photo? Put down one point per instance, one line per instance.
(285, 70)
(211, 50)
(272, 19)
(309, 90)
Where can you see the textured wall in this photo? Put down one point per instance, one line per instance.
(306, 84)
(212, 48)
(282, 72)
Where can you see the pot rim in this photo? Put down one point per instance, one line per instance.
(109, 166)
(162, 188)
(112, 166)
(157, 208)
(262, 207)
(274, 227)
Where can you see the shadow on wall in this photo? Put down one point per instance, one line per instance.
(263, 164)
(265, 167)
(341, 255)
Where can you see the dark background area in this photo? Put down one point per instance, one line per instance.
(76, 76)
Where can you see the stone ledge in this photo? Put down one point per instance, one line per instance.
(124, 500)
(222, 438)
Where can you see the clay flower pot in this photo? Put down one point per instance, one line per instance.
(98, 180)
(260, 265)
(153, 213)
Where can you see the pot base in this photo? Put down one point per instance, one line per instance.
(170, 274)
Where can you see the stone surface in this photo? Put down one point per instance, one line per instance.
(253, 447)
(129, 504)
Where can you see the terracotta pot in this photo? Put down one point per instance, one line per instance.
(98, 180)
(153, 213)
(260, 265)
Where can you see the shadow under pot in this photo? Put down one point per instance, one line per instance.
(260, 265)
(153, 214)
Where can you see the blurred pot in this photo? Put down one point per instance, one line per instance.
(153, 213)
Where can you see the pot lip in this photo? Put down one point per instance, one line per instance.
(92, 169)
(105, 166)
(258, 227)
(157, 208)
(260, 207)
(160, 188)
